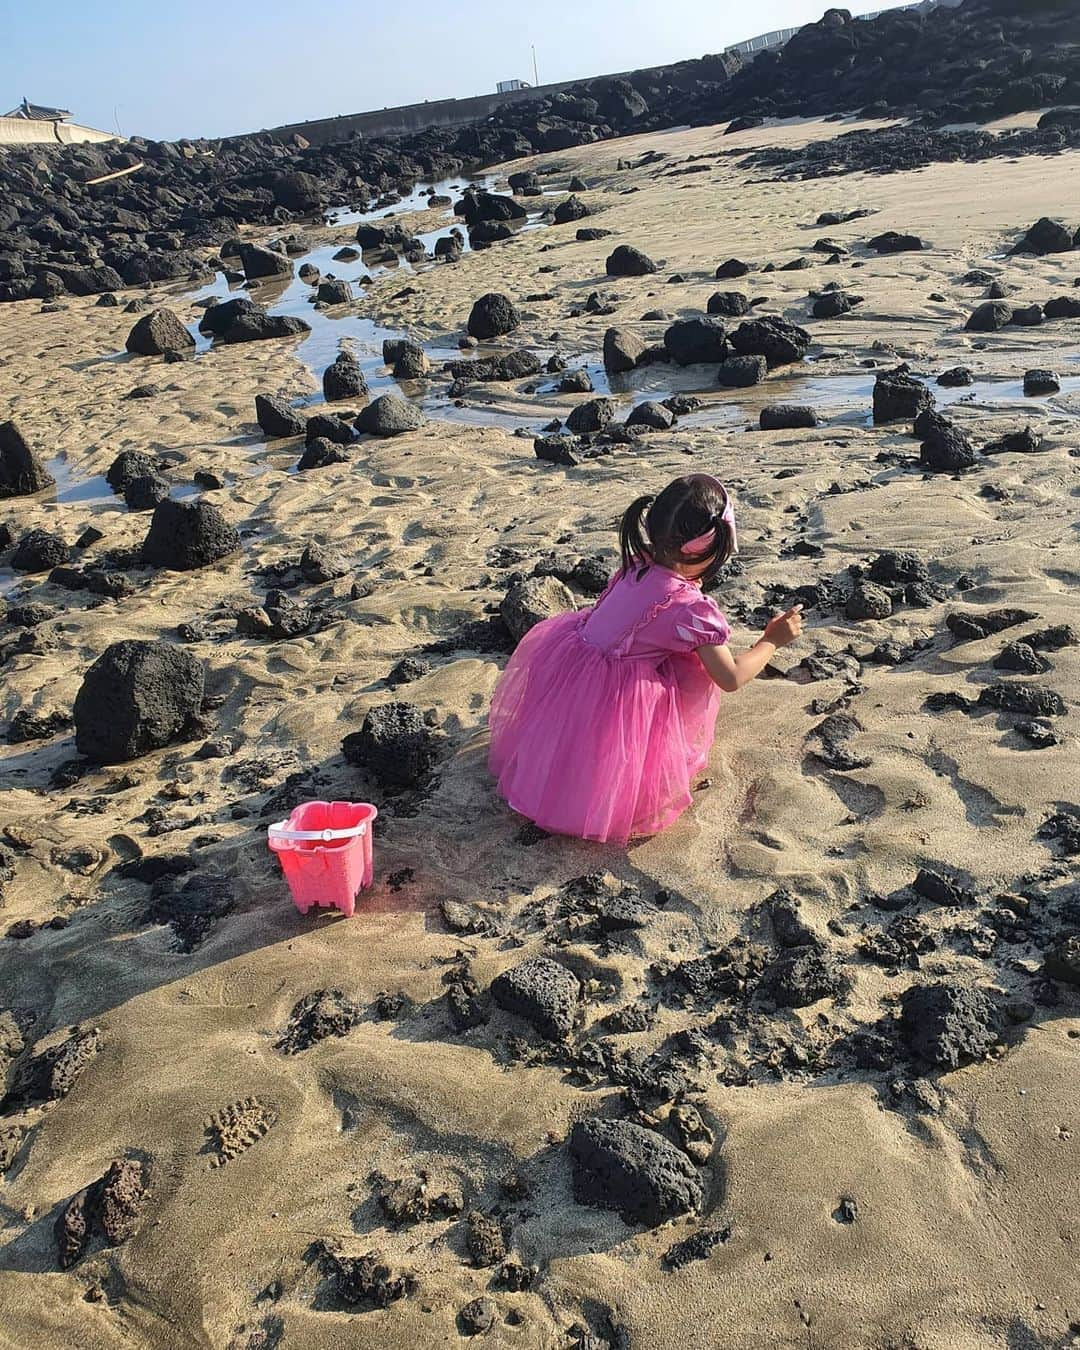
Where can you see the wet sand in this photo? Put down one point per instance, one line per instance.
(966, 1214)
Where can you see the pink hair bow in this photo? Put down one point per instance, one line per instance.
(693, 547)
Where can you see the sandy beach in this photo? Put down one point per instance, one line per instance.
(845, 1204)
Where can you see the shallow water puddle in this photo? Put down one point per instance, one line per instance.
(844, 399)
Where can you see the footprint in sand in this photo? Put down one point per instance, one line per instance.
(235, 1128)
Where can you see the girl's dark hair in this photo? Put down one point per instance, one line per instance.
(656, 529)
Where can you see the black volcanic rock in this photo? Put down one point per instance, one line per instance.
(184, 536)
(136, 697)
(21, 469)
(624, 1166)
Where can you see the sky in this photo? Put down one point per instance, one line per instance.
(214, 69)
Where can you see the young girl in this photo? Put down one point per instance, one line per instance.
(603, 716)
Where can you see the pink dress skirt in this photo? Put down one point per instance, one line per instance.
(602, 718)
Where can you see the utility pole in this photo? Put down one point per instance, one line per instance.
(536, 77)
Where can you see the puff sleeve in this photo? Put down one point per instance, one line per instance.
(696, 623)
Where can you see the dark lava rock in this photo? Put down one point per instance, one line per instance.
(868, 601)
(989, 317)
(1063, 828)
(323, 1013)
(485, 1238)
(408, 669)
(127, 466)
(786, 417)
(623, 350)
(628, 261)
(390, 415)
(1029, 316)
(492, 316)
(159, 332)
(218, 319)
(1026, 442)
(530, 601)
(144, 493)
(29, 726)
(279, 617)
(192, 908)
(408, 1200)
(732, 268)
(543, 992)
(651, 414)
(449, 248)
(1062, 307)
(831, 306)
(899, 395)
(576, 382)
(777, 340)
(52, 1073)
(343, 378)
(21, 470)
(740, 372)
(898, 567)
(1028, 699)
(955, 377)
(468, 1007)
(276, 418)
(591, 233)
(696, 341)
(730, 304)
(320, 562)
(1038, 382)
(802, 975)
(1022, 658)
(365, 1282)
(334, 291)
(945, 447)
(1038, 735)
(592, 415)
(38, 551)
(892, 242)
(626, 1167)
(411, 362)
(573, 208)
(187, 535)
(973, 625)
(683, 404)
(328, 427)
(940, 889)
(557, 449)
(110, 1208)
(1046, 236)
(255, 325)
(263, 262)
(948, 1025)
(136, 697)
(697, 1247)
(1062, 962)
(319, 454)
(479, 1315)
(394, 744)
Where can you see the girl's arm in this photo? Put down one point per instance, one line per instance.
(732, 672)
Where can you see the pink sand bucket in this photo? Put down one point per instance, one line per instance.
(325, 852)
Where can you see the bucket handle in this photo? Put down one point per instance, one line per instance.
(279, 831)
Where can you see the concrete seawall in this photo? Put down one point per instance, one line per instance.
(19, 131)
(449, 112)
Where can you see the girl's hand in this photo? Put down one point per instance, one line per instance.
(785, 628)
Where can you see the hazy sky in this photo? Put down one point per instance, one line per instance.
(196, 68)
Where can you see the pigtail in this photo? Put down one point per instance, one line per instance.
(633, 540)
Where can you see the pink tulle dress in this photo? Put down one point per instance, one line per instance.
(602, 717)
